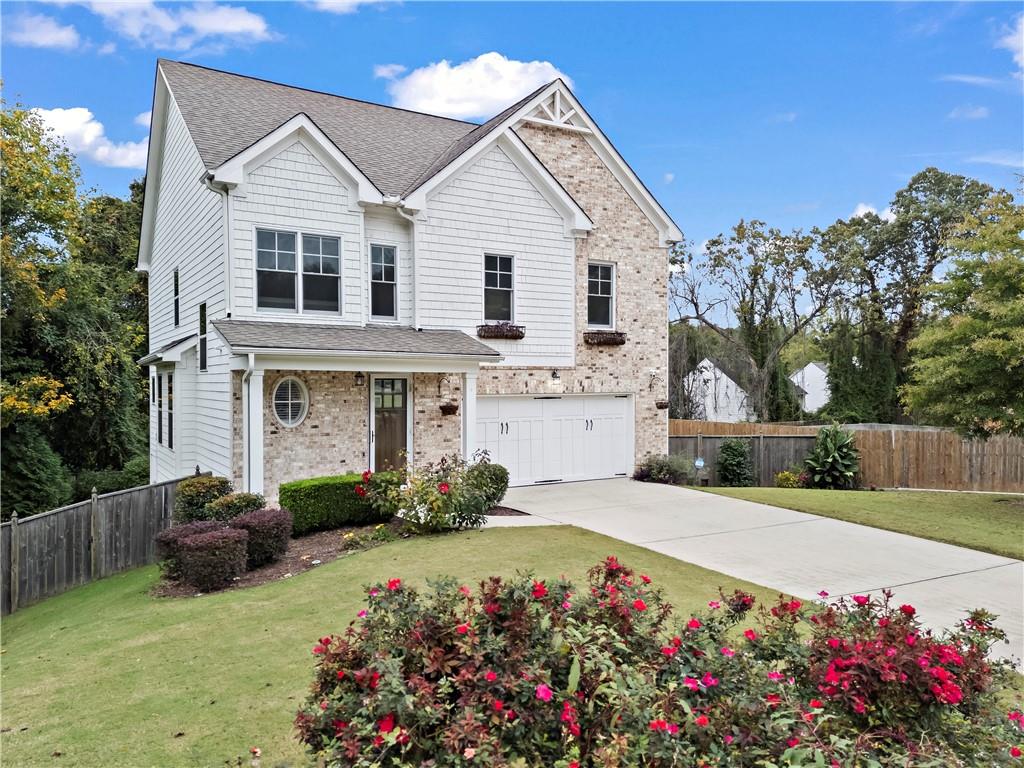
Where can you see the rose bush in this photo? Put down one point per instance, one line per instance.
(528, 672)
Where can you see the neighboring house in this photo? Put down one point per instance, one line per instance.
(714, 390)
(319, 266)
(813, 380)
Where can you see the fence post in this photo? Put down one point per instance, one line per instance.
(760, 457)
(95, 544)
(15, 564)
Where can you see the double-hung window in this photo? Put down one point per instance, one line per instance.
(497, 288)
(383, 282)
(321, 274)
(275, 270)
(601, 295)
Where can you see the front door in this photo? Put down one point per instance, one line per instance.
(390, 423)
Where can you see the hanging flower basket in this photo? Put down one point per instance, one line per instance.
(604, 338)
(661, 405)
(449, 409)
(501, 331)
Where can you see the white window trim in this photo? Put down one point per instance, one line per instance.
(305, 401)
(369, 282)
(483, 285)
(298, 272)
(615, 290)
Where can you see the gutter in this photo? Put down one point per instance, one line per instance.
(224, 190)
(398, 203)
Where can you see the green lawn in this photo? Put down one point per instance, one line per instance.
(108, 676)
(989, 522)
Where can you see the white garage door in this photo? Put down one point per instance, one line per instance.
(543, 439)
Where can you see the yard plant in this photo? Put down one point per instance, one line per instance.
(530, 671)
(194, 493)
(834, 460)
(323, 503)
(734, 464)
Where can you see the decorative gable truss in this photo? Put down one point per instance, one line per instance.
(555, 112)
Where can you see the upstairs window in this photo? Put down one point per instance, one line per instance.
(383, 282)
(321, 274)
(497, 288)
(202, 337)
(177, 313)
(600, 295)
(275, 269)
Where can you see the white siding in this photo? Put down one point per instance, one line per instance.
(813, 378)
(294, 191)
(386, 227)
(721, 398)
(492, 207)
(188, 236)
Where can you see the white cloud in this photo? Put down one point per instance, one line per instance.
(143, 118)
(388, 71)
(669, 178)
(783, 117)
(985, 82)
(182, 28)
(863, 209)
(479, 87)
(86, 136)
(342, 6)
(968, 112)
(1010, 158)
(106, 49)
(1013, 41)
(38, 31)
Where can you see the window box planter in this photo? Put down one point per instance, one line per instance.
(604, 338)
(501, 331)
(449, 409)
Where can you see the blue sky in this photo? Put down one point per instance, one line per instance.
(793, 113)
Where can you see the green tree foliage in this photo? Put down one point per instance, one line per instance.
(967, 369)
(74, 319)
(894, 261)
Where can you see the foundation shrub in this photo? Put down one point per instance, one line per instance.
(169, 541)
(212, 560)
(194, 493)
(233, 505)
(269, 531)
(324, 503)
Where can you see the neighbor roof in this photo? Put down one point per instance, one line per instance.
(226, 113)
(256, 335)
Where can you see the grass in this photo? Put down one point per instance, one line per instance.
(108, 676)
(987, 522)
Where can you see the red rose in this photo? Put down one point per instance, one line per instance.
(490, 676)
(367, 475)
(639, 605)
(443, 488)
(394, 584)
(360, 490)
(701, 721)
(462, 629)
(908, 610)
(539, 590)
(386, 724)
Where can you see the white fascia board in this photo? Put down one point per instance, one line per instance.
(668, 232)
(316, 360)
(299, 128)
(172, 355)
(154, 162)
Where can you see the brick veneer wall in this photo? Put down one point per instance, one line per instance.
(434, 434)
(622, 235)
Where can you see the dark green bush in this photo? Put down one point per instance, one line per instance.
(194, 493)
(834, 460)
(233, 505)
(211, 560)
(168, 542)
(673, 470)
(269, 531)
(734, 467)
(33, 477)
(490, 481)
(323, 503)
(134, 474)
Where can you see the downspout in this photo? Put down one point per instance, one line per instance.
(393, 201)
(225, 192)
(246, 437)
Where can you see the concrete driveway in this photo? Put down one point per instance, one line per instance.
(794, 552)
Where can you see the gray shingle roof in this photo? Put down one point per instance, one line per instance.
(225, 113)
(260, 334)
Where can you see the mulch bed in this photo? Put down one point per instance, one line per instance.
(303, 554)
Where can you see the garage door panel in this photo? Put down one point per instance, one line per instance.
(550, 438)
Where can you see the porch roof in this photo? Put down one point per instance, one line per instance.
(261, 336)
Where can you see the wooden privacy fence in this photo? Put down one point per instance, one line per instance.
(49, 553)
(892, 455)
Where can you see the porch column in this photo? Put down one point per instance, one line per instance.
(255, 432)
(469, 414)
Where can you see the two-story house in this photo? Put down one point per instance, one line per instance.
(326, 276)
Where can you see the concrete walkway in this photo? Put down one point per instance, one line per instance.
(794, 552)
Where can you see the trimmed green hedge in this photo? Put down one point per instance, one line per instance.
(322, 503)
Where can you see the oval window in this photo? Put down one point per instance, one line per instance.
(291, 401)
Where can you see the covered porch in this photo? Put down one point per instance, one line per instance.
(322, 400)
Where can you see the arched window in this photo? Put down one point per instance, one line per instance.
(291, 401)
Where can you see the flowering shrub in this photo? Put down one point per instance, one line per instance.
(194, 493)
(169, 540)
(210, 561)
(435, 497)
(529, 672)
(233, 505)
(269, 531)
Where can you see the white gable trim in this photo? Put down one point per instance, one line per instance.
(154, 162)
(301, 128)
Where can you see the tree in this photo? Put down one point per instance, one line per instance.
(771, 286)
(967, 366)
